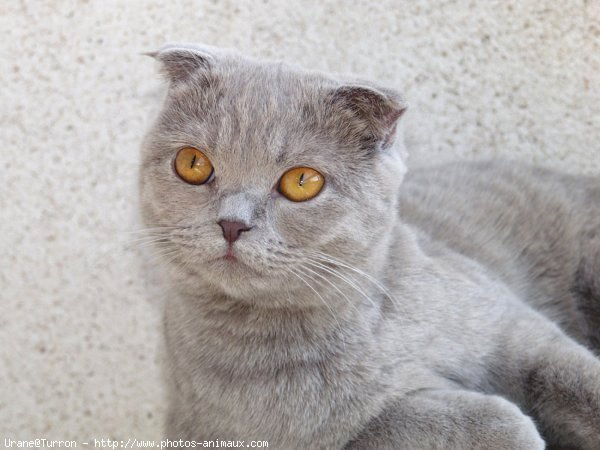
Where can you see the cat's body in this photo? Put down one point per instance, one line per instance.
(536, 230)
(372, 316)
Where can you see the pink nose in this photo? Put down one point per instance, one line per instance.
(232, 230)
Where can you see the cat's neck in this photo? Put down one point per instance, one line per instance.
(247, 318)
(247, 339)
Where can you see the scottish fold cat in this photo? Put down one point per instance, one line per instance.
(323, 298)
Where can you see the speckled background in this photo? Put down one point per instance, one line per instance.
(80, 304)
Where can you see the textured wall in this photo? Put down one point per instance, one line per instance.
(79, 318)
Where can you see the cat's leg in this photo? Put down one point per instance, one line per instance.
(586, 286)
(555, 380)
(434, 419)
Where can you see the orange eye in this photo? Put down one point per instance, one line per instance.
(301, 184)
(193, 166)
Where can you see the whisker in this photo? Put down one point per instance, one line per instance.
(147, 238)
(182, 264)
(141, 243)
(324, 302)
(334, 286)
(151, 229)
(327, 258)
(336, 273)
(160, 256)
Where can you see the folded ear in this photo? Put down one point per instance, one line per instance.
(370, 113)
(180, 62)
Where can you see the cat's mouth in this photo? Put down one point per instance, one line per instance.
(233, 262)
(230, 255)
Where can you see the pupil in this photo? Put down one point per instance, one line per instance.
(301, 182)
(193, 161)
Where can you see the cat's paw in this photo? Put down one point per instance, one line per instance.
(508, 427)
(450, 419)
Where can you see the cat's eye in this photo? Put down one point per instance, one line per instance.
(193, 166)
(301, 184)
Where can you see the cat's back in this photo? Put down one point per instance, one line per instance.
(508, 201)
(528, 226)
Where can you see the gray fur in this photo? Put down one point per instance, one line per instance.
(439, 312)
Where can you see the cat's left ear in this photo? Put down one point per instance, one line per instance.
(180, 62)
(370, 114)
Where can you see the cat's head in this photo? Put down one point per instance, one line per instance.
(217, 171)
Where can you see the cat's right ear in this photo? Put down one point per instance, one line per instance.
(181, 62)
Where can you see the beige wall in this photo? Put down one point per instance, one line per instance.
(79, 309)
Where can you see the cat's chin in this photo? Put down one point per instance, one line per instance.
(240, 280)
(250, 291)
(235, 266)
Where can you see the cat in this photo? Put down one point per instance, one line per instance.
(324, 297)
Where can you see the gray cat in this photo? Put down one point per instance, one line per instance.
(320, 299)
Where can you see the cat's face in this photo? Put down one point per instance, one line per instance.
(254, 121)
